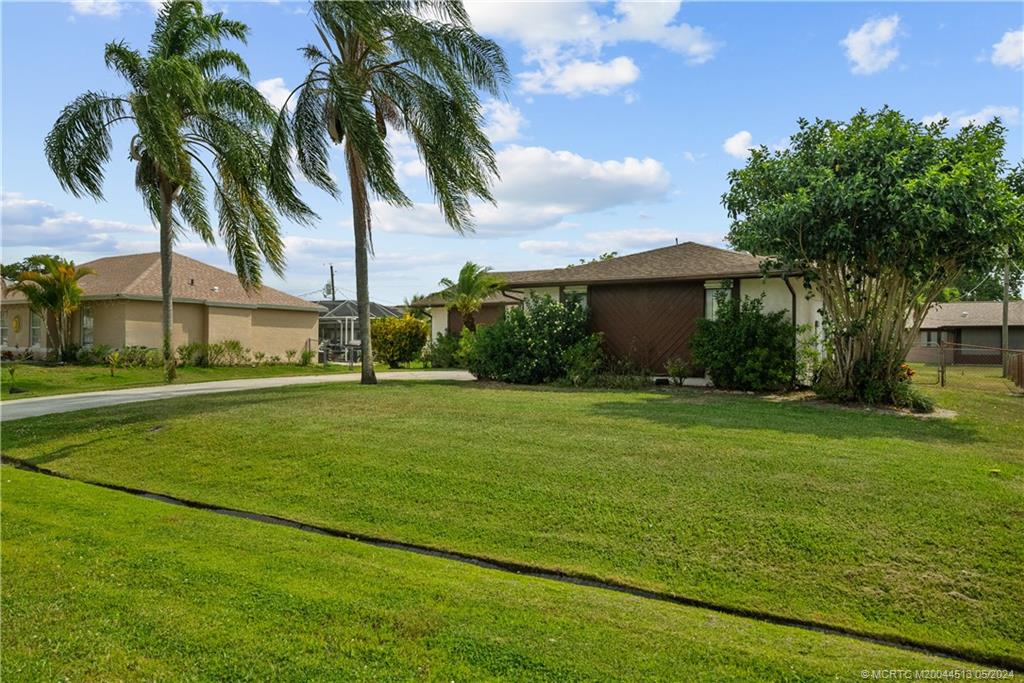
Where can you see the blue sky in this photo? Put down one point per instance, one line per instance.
(616, 134)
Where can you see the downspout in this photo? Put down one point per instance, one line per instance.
(792, 294)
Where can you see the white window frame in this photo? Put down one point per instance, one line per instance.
(91, 327)
(5, 330)
(35, 329)
(711, 291)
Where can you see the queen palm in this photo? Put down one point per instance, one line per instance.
(191, 117)
(410, 66)
(52, 287)
(468, 294)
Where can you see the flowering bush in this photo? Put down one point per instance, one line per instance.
(540, 342)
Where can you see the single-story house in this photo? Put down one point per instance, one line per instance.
(339, 324)
(974, 330)
(122, 307)
(646, 304)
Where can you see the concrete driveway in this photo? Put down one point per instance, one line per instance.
(49, 405)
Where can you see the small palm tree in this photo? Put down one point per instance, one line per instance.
(189, 116)
(413, 66)
(468, 294)
(53, 289)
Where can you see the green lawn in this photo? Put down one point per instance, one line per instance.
(100, 585)
(886, 523)
(43, 380)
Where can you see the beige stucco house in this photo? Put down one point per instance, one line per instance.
(121, 307)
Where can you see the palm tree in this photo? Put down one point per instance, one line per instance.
(467, 294)
(51, 287)
(188, 115)
(412, 66)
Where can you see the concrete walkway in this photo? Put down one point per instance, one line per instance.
(65, 403)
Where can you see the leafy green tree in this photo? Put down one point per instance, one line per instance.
(11, 271)
(468, 294)
(880, 214)
(401, 65)
(52, 288)
(190, 119)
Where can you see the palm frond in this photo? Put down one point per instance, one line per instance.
(78, 146)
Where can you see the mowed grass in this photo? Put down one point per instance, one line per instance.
(101, 585)
(43, 380)
(886, 523)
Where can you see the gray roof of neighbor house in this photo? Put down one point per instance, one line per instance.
(972, 314)
(686, 261)
(346, 308)
(137, 276)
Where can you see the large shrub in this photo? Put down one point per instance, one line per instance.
(533, 344)
(397, 340)
(443, 351)
(746, 348)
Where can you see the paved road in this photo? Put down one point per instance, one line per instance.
(48, 405)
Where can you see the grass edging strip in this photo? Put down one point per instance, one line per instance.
(899, 642)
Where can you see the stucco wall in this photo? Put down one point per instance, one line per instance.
(17, 339)
(229, 323)
(275, 331)
(142, 324)
(108, 323)
(779, 298)
(438, 321)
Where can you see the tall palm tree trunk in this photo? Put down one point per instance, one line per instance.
(361, 229)
(166, 257)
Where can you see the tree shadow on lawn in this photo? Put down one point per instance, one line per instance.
(756, 413)
(143, 416)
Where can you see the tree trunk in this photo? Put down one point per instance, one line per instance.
(469, 322)
(361, 230)
(166, 258)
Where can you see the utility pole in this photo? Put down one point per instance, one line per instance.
(333, 294)
(1006, 316)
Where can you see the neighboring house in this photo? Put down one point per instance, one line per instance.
(646, 304)
(122, 307)
(339, 324)
(972, 328)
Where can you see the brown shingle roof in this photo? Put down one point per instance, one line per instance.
(972, 314)
(137, 276)
(496, 298)
(686, 261)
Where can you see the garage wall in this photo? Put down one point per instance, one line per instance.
(274, 331)
(229, 323)
(647, 323)
(143, 327)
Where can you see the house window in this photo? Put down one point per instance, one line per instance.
(574, 295)
(4, 331)
(35, 329)
(930, 337)
(87, 326)
(712, 290)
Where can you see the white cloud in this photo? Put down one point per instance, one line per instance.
(539, 188)
(504, 121)
(739, 145)
(1009, 115)
(275, 91)
(869, 48)
(565, 40)
(39, 224)
(1009, 51)
(99, 8)
(578, 77)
